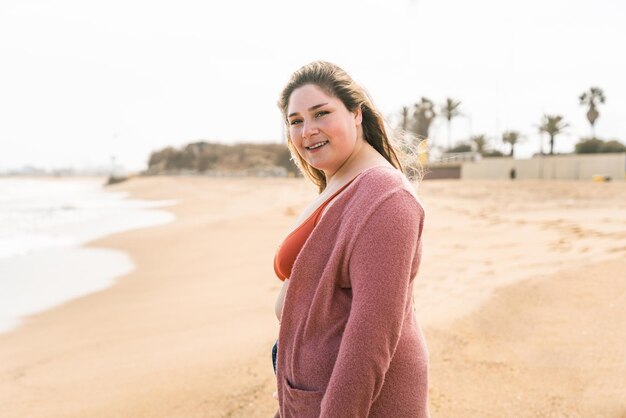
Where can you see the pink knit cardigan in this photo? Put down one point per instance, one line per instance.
(349, 344)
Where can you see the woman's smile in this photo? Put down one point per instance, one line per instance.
(316, 146)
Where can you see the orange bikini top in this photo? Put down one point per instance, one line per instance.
(290, 248)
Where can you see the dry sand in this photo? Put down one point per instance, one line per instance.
(522, 297)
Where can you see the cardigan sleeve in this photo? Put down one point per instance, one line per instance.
(379, 269)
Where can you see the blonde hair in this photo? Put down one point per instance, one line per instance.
(399, 148)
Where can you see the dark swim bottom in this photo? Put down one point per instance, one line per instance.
(274, 352)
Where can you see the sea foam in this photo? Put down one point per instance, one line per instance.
(43, 223)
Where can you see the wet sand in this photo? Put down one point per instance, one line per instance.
(521, 296)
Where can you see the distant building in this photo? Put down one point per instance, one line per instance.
(549, 167)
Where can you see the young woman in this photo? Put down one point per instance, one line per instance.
(349, 344)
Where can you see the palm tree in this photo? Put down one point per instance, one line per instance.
(553, 125)
(423, 115)
(480, 141)
(511, 137)
(450, 110)
(591, 98)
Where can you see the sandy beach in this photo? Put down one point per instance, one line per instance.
(521, 295)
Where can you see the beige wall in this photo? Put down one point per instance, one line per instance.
(561, 167)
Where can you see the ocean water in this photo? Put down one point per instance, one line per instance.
(43, 224)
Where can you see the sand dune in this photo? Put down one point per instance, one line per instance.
(521, 295)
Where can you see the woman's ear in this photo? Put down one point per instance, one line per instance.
(358, 115)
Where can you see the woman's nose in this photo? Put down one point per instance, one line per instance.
(309, 129)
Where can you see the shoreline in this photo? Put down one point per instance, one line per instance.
(43, 267)
(189, 332)
(50, 223)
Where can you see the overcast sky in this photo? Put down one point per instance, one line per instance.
(81, 81)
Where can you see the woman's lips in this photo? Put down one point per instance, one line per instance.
(316, 146)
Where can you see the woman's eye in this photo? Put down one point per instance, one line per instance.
(321, 113)
(294, 122)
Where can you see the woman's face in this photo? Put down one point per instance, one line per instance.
(322, 129)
